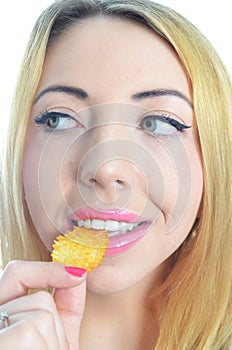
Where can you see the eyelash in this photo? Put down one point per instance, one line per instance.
(179, 126)
(44, 117)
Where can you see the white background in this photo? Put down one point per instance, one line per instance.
(18, 17)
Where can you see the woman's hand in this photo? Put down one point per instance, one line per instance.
(39, 320)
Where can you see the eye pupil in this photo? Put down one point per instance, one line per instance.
(148, 123)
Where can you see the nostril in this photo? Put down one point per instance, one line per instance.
(92, 180)
(120, 182)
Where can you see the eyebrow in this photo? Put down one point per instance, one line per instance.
(81, 94)
(161, 92)
(69, 90)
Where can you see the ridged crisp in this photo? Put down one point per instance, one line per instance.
(80, 248)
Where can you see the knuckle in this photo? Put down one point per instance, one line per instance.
(45, 317)
(13, 266)
(45, 299)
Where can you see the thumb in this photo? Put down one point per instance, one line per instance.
(70, 303)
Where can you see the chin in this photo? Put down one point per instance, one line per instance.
(107, 280)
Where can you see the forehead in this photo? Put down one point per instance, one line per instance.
(114, 52)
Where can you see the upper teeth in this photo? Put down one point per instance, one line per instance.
(108, 225)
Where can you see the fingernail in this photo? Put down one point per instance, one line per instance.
(75, 271)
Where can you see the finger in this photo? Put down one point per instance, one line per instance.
(42, 305)
(70, 304)
(20, 336)
(19, 276)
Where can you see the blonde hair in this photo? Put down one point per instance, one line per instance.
(196, 308)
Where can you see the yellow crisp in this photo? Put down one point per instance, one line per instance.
(81, 247)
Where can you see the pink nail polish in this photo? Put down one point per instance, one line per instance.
(75, 271)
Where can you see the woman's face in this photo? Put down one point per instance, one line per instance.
(112, 143)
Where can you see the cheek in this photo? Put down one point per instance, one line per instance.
(43, 194)
(48, 176)
(180, 165)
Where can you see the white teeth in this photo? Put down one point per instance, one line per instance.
(114, 227)
(81, 223)
(116, 233)
(113, 234)
(130, 227)
(98, 224)
(111, 225)
(87, 223)
(123, 225)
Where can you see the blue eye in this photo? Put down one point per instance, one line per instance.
(56, 121)
(161, 125)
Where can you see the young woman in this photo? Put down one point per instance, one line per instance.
(121, 120)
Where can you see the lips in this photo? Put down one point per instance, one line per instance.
(124, 228)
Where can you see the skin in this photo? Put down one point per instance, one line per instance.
(119, 60)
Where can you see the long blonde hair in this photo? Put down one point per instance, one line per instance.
(196, 308)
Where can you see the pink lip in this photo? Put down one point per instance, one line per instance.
(119, 250)
(114, 214)
(122, 242)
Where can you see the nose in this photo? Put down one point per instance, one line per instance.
(106, 168)
(108, 181)
(110, 174)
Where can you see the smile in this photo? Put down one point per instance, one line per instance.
(124, 228)
(114, 228)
